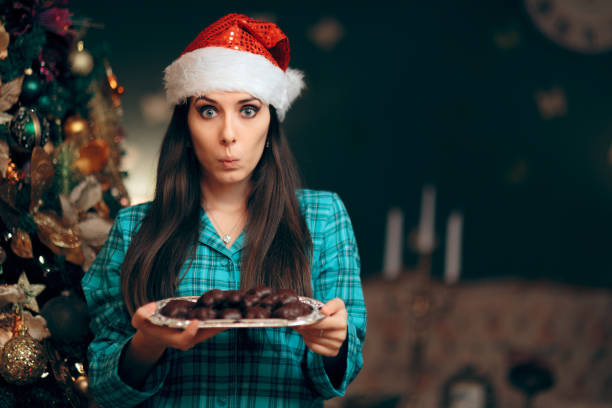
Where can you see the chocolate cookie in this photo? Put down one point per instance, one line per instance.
(211, 298)
(257, 312)
(202, 313)
(233, 314)
(292, 310)
(177, 308)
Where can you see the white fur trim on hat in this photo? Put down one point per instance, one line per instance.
(222, 69)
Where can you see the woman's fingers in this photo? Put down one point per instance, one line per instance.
(333, 306)
(142, 314)
(326, 336)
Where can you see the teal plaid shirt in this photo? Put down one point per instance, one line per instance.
(243, 368)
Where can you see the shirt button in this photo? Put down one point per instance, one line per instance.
(221, 401)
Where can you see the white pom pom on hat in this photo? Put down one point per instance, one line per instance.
(236, 53)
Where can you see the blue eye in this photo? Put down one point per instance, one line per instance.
(207, 111)
(249, 111)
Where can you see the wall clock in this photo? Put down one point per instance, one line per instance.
(579, 25)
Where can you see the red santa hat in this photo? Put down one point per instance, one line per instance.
(236, 53)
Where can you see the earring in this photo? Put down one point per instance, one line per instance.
(268, 143)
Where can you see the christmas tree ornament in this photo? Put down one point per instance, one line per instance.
(9, 93)
(5, 39)
(41, 176)
(76, 130)
(81, 61)
(31, 87)
(21, 244)
(93, 157)
(31, 291)
(23, 360)
(28, 129)
(67, 318)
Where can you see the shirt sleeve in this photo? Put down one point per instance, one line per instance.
(111, 325)
(339, 276)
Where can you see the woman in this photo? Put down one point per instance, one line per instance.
(225, 167)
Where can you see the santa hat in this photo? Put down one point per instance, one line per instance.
(236, 53)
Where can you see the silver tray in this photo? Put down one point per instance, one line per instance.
(158, 319)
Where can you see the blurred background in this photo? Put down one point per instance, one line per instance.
(510, 122)
(472, 145)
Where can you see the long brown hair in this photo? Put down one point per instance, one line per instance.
(278, 244)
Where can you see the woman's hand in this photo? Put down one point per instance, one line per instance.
(153, 337)
(326, 337)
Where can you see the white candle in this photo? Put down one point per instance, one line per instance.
(426, 234)
(392, 263)
(452, 262)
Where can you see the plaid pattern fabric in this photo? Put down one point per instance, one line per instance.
(269, 367)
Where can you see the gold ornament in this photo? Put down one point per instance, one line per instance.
(81, 61)
(21, 244)
(41, 175)
(31, 291)
(23, 360)
(93, 157)
(76, 130)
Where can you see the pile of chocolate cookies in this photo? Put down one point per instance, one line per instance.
(258, 303)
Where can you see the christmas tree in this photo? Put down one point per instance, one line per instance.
(60, 188)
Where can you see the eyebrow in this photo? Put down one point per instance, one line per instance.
(239, 102)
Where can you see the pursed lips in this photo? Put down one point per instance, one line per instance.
(229, 162)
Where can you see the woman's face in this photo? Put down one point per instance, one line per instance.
(228, 131)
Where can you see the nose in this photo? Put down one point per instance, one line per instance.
(228, 133)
